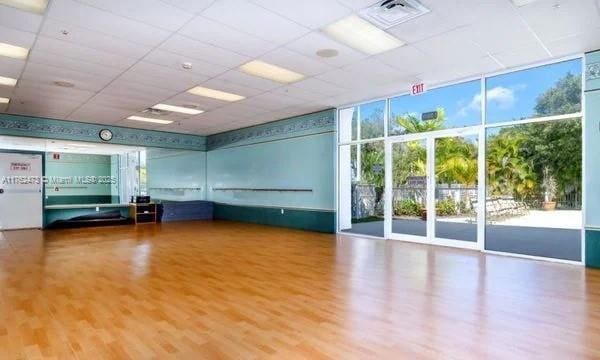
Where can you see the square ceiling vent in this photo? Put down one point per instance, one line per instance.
(389, 13)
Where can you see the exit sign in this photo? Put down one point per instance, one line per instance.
(417, 89)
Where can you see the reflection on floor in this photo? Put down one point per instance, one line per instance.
(208, 290)
(526, 240)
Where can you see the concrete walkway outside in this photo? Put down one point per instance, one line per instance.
(527, 240)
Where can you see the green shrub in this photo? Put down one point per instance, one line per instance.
(407, 207)
(446, 208)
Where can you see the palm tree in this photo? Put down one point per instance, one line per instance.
(413, 124)
(509, 172)
(456, 161)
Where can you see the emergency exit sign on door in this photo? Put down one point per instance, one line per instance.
(417, 89)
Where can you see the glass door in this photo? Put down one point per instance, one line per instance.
(456, 190)
(408, 182)
(432, 188)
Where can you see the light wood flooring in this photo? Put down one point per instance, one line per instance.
(224, 290)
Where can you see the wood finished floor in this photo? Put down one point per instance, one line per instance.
(227, 290)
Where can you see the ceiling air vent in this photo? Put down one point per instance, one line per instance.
(388, 13)
(157, 112)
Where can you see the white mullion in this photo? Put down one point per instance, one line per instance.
(388, 190)
(431, 215)
(481, 170)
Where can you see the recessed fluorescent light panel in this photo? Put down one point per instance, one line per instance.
(150, 120)
(215, 94)
(362, 35)
(6, 81)
(178, 109)
(13, 51)
(4, 100)
(35, 6)
(271, 72)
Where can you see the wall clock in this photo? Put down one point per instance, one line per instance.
(106, 135)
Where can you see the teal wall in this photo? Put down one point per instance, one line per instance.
(176, 174)
(78, 165)
(296, 153)
(592, 160)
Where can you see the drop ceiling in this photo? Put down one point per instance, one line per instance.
(123, 56)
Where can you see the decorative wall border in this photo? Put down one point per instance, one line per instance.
(593, 71)
(18, 125)
(314, 123)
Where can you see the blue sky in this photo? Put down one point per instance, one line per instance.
(510, 96)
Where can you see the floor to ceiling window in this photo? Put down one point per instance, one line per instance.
(423, 168)
(361, 166)
(533, 162)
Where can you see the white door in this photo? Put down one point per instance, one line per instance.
(427, 199)
(20, 191)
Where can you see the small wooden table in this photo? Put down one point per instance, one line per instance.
(143, 213)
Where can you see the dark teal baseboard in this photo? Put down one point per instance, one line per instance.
(81, 199)
(313, 220)
(592, 248)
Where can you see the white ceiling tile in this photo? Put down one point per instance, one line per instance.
(576, 44)
(40, 57)
(44, 107)
(110, 99)
(16, 37)
(175, 62)
(202, 103)
(340, 78)
(198, 50)
(358, 4)
(131, 90)
(500, 34)
(296, 62)
(13, 18)
(477, 67)
(10, 67)
(309, 44)
(552, 20)
(310, 13)
(46, 74)
(91, 18)
(80, 53)
(153, 12)
(93, 39)
(231, 87)
(425, 26)
(374, 71)
(317, 86)
(255, 20)
(273, 101)
(522, 55)
(299, 93)
(6, 91)
(34, 90)
(255, 82)
(451, 48)
(162, 77)
(99, 114)
(407, 59)
(193, 6)
(223, 36)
